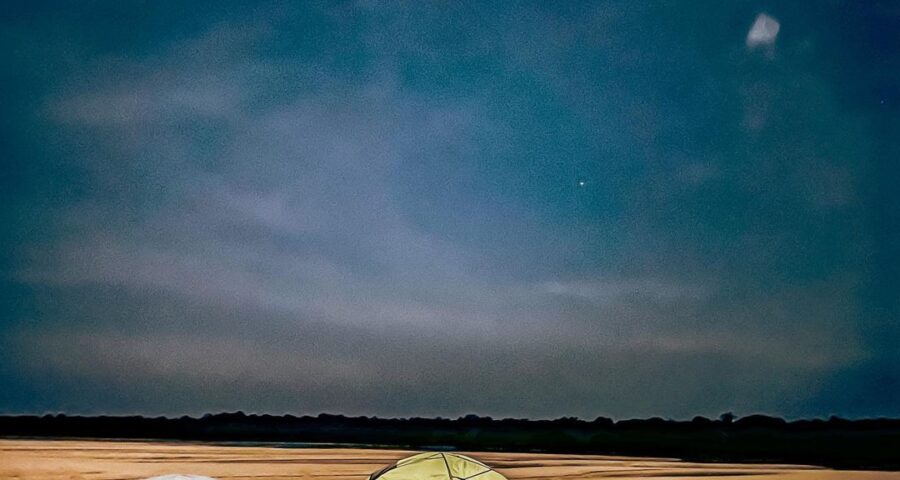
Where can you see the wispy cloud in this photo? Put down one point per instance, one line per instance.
(764, 31)
(295, 203)
(634, 289)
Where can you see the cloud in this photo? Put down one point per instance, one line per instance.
(353, 208)
(147, 103)
(224, 356)
(616, 290)
(764, 31)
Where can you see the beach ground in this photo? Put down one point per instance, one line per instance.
(120, 460)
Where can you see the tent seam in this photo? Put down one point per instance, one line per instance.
(447, 464)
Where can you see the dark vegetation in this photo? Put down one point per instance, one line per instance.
(839, 443)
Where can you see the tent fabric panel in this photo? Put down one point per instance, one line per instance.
(488, 475)
(468, 458)
(424, 469)
(418, 458)
(463, 467)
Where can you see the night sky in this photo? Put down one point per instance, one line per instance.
(620, 208)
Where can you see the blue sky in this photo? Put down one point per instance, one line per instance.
(621, 208)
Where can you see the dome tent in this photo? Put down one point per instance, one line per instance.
(437, 466)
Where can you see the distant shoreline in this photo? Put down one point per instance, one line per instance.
(834, 443)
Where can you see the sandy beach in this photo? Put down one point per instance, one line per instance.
(118, 460)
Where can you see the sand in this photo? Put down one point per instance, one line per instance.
(108, 460)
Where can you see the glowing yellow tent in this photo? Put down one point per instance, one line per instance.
(437, 466)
